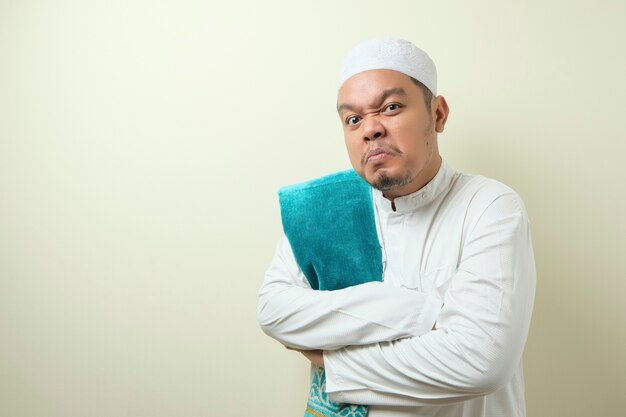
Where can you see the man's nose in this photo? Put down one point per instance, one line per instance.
(373, 129)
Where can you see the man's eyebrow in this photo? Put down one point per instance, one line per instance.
(379, 100)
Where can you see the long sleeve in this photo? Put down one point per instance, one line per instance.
(481, 329)
(298, 316)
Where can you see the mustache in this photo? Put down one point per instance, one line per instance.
(387, 148)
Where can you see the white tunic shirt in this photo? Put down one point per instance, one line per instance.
(457, 254)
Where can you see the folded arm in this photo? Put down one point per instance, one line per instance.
(481, 330)
(293, 313)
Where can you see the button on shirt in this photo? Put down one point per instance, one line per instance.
(457, 256)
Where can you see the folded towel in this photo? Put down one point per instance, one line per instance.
(330, 225)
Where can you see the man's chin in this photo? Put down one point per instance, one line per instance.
(383, 180)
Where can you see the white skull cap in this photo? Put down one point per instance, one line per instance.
(390, 53)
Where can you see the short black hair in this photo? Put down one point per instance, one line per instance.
(428, 95)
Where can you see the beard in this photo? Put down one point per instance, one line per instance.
(384, 182)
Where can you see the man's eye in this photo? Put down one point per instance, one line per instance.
(391, 107)
(352, 120)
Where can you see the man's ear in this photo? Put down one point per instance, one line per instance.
(441, 113)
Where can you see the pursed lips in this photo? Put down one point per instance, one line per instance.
(376, 154)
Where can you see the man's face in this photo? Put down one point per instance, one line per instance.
(390, 135)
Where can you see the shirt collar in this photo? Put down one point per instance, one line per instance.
(419, 198)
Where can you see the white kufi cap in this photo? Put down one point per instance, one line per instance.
(390, 53)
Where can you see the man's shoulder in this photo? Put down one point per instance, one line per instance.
(481, 191)
(484, 185)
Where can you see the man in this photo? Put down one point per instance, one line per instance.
(442, 331)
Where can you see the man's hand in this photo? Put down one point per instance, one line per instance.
(315, 356)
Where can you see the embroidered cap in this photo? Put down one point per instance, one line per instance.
(390, 53)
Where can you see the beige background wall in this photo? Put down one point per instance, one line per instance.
(141, 145)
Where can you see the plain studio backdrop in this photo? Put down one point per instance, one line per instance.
(142, 144)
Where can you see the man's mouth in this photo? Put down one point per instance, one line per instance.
(377, 155)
